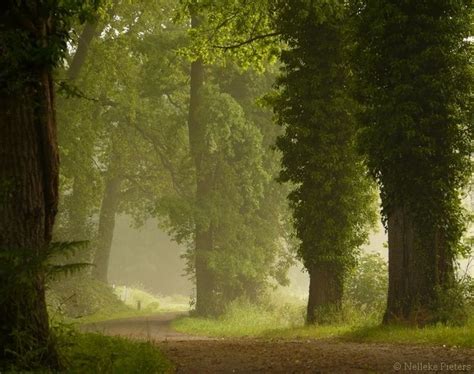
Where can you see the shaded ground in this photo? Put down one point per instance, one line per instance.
(204, 355)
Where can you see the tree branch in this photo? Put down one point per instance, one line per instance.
(248, 41)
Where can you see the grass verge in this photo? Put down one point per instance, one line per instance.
(81, 299)
(252, 321)
(439, 335)
(94, 353)
(105, 315)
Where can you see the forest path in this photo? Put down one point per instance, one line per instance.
(192, 354)
(156, 327)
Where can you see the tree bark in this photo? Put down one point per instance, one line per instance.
(325, 293)
(419, 267)
(108, 211)
(28, 203)
(203, 232)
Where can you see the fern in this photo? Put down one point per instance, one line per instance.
(57, 271)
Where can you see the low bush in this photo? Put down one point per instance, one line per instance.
(80, 295)
(366, 288)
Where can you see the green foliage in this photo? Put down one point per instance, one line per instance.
(82, 296)
(19, 266)
(366, 287)
(466, 284)
(93, 353)
(127, 123)
(450, 305)
(246, 208)
(23, 273)
(332, 200)
(41, 42)
(230, 30)
(244, 249)
(278, 316)
(416, 126)
(140, 135)
(243, 318)
(287, 322)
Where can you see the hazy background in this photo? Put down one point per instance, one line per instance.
(148, 258)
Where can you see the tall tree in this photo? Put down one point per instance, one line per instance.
(203, 236)
(33, 39)
(116, 143)
(214, 29)
(78, 228)
(108, 211)
(414, 63)
(332, 198)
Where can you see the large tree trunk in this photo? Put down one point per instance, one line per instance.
(325, 293)
(203, 232)
(28, 205)
(108, 211)
(420, 266)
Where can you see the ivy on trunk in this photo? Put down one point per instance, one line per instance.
(415, 78)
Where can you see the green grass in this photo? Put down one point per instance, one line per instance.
(91, 353)
(116, 309)
(105, 315)
(94, 353)
(243, 319)
(251, 321)
(150, 305)
(441, 335)
(81, 296)
(81, 299)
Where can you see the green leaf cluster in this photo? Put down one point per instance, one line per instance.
(332, 199)
(414, 69)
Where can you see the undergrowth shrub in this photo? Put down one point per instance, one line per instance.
(80, 296)
(25, 340)
(366, 288)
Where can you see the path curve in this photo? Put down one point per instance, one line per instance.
(155, 328)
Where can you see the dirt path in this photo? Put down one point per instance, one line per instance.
(204, 355)
(157, 328)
